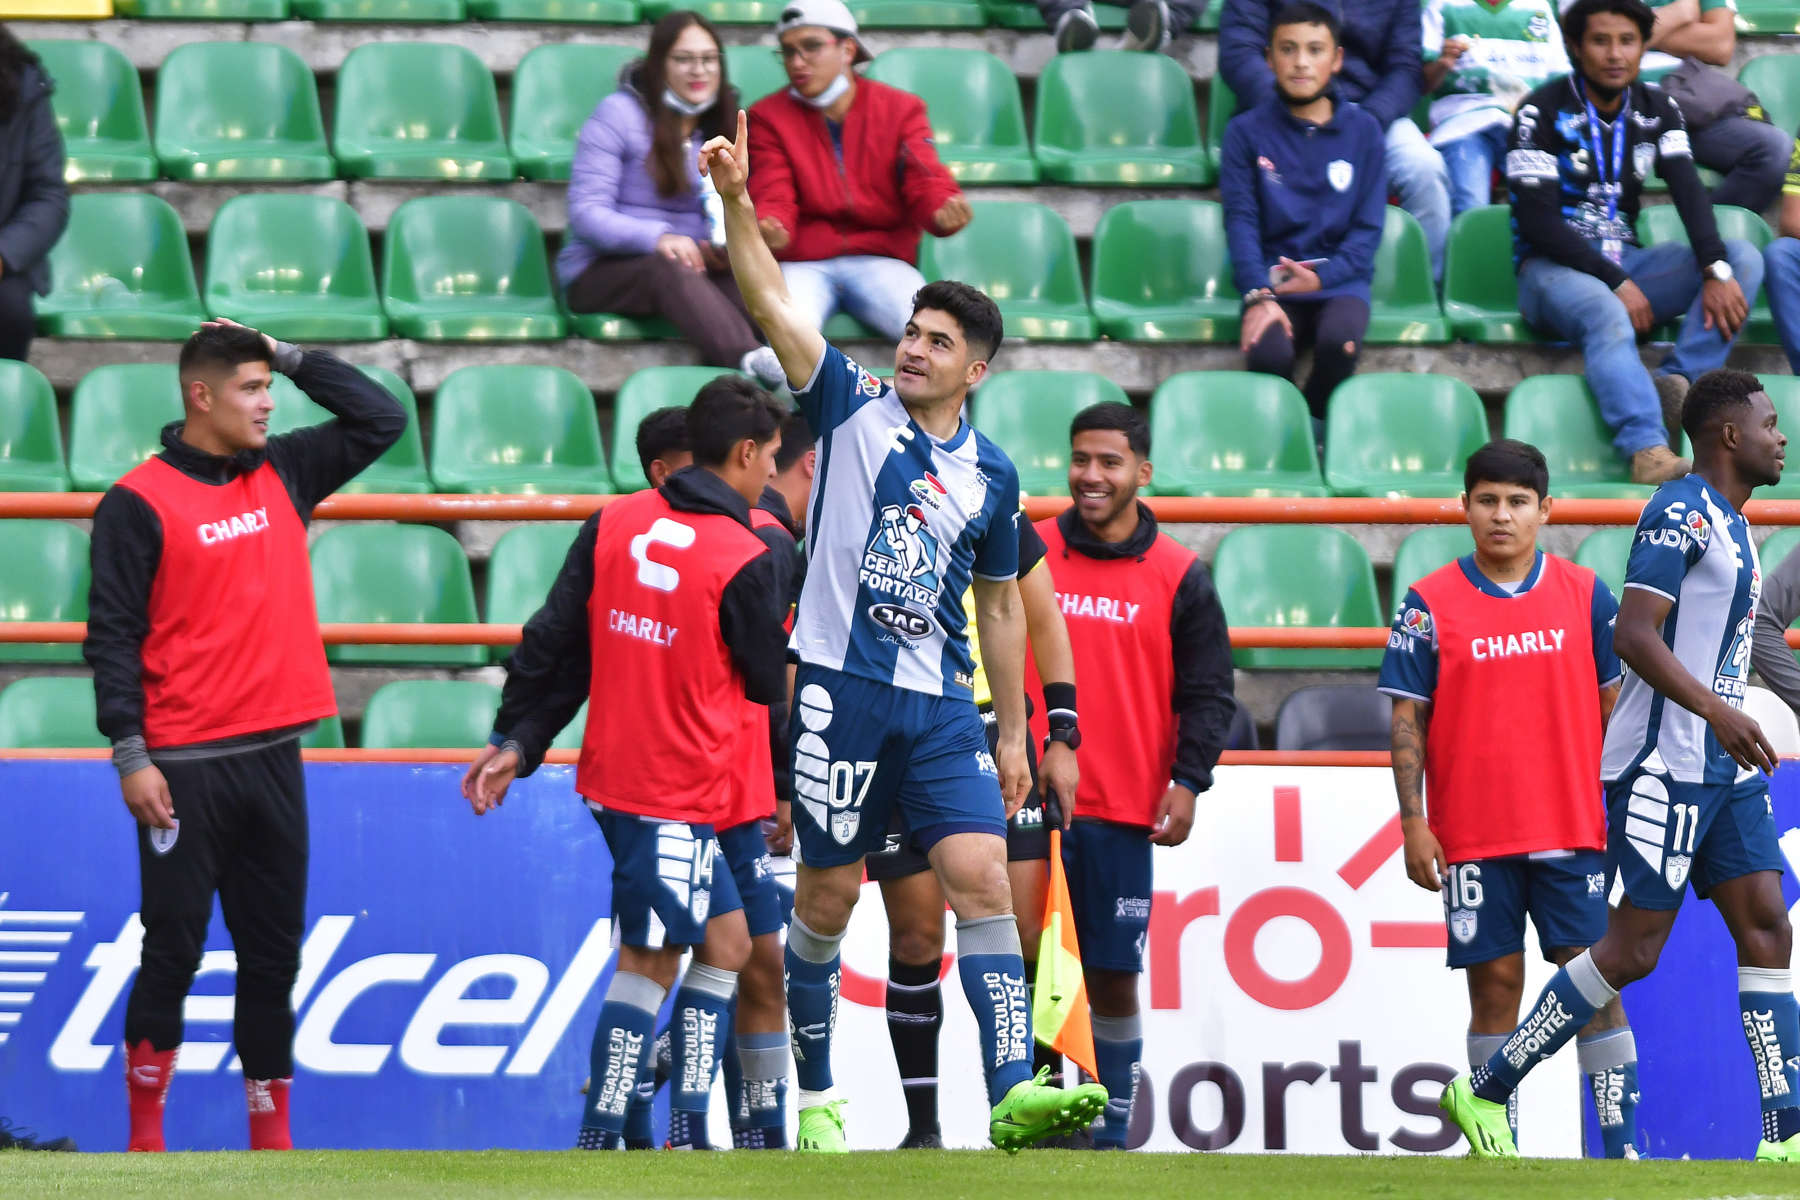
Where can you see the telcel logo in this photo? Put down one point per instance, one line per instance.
(446, 1004)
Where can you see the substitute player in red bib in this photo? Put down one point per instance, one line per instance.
(1154, 661)
(670, 594)
(1505, 833)
(207, 669)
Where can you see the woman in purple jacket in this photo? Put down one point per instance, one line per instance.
(640, 240)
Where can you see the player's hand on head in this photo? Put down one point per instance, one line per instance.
(488, 777)
(1425, 864)
(228, 323)
(1174, 816)
(1059, 775)
(727, 160)
(1741, 737)
(147, 796)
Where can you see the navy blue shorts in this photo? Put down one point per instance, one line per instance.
(665, 885)
(1661, 835)
(1486, 902)
(864, 750)
(753, 870)
(1109, 886)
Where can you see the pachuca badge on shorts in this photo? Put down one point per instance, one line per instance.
(163, 840)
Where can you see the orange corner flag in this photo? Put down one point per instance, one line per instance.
(1060, 1014)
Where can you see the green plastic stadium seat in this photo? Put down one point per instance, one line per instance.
(1161, 273)
(99, 106)
(53, 588)
(977, 118)
(236, 111)
(1784, 391)
(116, 418)
(202, 10)
(1022, 255)
(1403, 305)
(414, 110)
(516, 429)
(296, 267)
(400, 470)
(1776, 82)
(1221, 106)
(1558, 415)
(555, 90)
(1297, 575)
(1481, 292)
(719, 12)
(570, 737)
(1768, 16)
(121, 270)
(1401, 435)
(403, 574)
(1232, 433)
(467, 268)
(1778, 546)
(1606, 551)
(919, 14)
(755, 71)
(49, 712)
(429, 714)
(379, 10)
(572, 12)
(1662, 223)
(1424, 551)
(1121, 118)
(1027, 414)
(643, 393)
(326, 735)
(523, 565)
(31, 454)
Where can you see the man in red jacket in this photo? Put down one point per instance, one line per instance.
(846, 176)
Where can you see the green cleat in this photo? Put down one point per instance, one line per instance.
(1033, 1111)
(822, 1129)
(1779, 1152)
(1482, 1121)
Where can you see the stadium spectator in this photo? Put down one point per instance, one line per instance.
(1749, 152)
(790, 493)
(1775, 612)
(1304, 191)
(662, 444)
(1382, 73)
(208, 668)
(1482, 57)
(34, 200)
(846, 176)
(1582, 147)
(1686, 776)
(643, 239)
(658, 773)
(1781, 264)
(1149, 24)
(1503, 839)
(1160, 703)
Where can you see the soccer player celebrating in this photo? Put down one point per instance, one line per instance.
(910, 892)
(207, 669)
(911, 508)
(1510, 620)
(672, 590)
(1150, 643)
(1684, 800)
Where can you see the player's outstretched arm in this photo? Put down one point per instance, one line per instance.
(1637, 638)
(796, 342)
(1425, 863)
(1000, 625)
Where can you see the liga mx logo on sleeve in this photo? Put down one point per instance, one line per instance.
(1697, 528)
(1417, 622)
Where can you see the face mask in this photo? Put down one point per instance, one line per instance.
(825, 99)
(676, 103)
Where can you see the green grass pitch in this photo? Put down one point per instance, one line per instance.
(923, 1175)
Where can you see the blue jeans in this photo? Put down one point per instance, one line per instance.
(1573, 305)
(1417, 175)
(1471, 161)
(876, 291)
(1781, 280)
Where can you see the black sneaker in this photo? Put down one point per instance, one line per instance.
(1146, 26)
(12, 1137)
(916, 1139)
(1076, 30)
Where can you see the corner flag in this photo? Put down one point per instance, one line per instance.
(1060, 1011)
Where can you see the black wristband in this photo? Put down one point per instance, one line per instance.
(1059, 700)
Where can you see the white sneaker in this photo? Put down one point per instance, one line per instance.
(762, 365)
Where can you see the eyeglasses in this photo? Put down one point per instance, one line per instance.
(809, 50)
(695, 62)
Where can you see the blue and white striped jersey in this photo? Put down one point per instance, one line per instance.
(900, 524)
(1695, 550)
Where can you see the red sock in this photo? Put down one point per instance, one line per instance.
(268, 1102)
(147, 1072)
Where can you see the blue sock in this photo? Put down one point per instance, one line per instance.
(762, 1064)
(1118, 1049)
(622, 1038)
(993, 979)
(640, 1114)
(1609, 1060)
(733, 1072)
(1772, 1027)
(700, 1026)
(1480, 1045)
(1569, 1001)
(811, 962)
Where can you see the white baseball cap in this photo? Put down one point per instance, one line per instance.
(834, 15)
